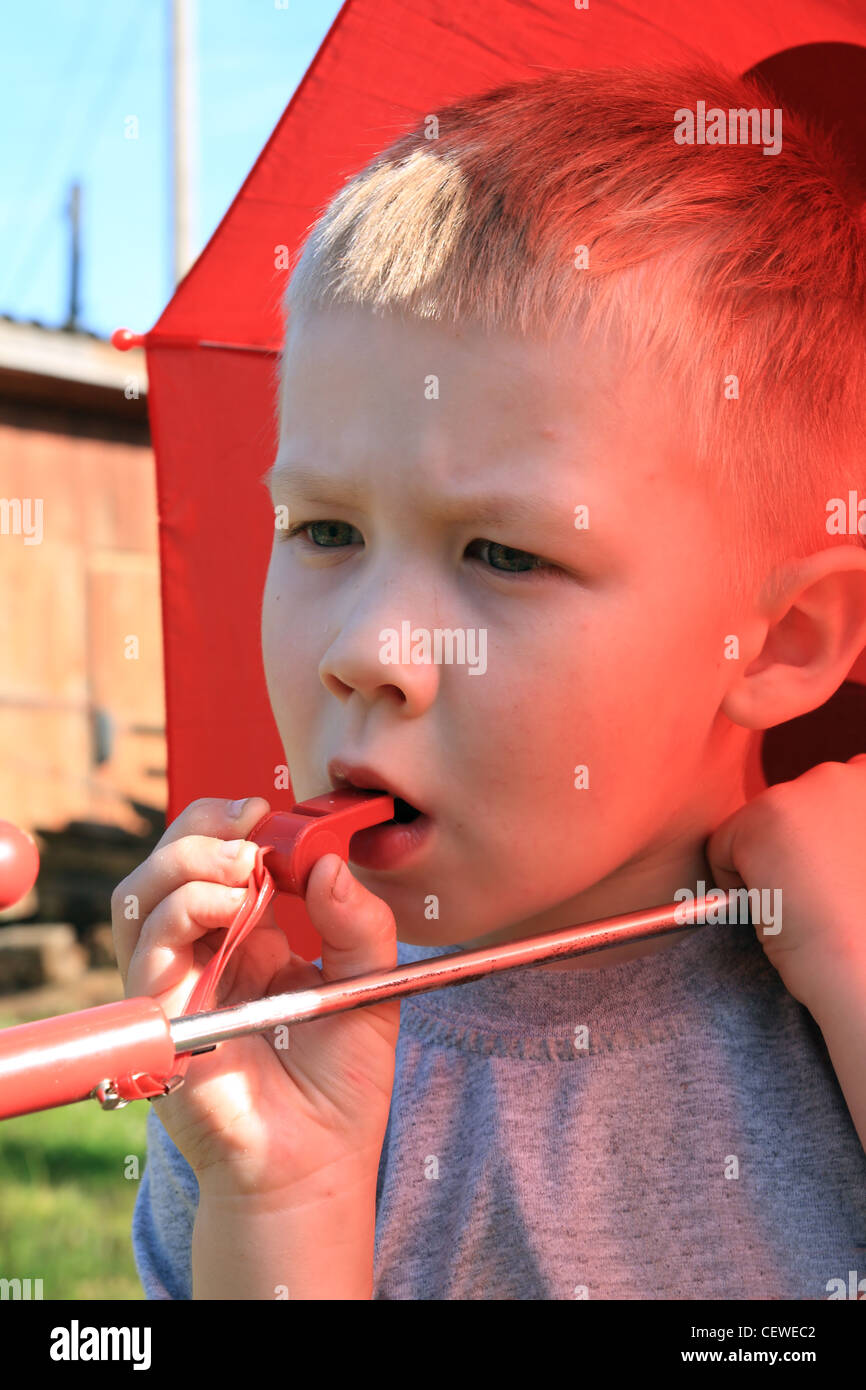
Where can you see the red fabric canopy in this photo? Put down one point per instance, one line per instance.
(212, 352)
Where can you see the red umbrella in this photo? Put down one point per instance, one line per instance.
(212, 354)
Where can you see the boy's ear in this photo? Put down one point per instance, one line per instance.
(803, 642)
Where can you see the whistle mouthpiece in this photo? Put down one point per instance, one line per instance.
(295, 839)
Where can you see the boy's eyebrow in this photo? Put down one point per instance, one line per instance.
(484, 507)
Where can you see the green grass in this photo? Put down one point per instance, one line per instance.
(65, 1202)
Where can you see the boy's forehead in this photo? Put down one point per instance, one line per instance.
(357, 383)
(353, 339)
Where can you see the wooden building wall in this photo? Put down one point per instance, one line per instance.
(80, 623)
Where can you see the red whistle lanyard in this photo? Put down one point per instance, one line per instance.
(130, 1050)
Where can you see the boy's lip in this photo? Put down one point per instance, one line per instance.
(343, 773)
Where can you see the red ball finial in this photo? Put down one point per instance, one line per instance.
(124, 339)
(19, 864)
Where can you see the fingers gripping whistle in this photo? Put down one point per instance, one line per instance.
(126, 1051)
(291, 842)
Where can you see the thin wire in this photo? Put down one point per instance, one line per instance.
(50, 125)
(33, 248)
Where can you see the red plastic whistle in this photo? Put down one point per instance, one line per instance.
(295, 839)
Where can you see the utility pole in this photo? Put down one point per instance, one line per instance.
(183, 135)
(73, 210)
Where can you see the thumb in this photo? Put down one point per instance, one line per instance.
(358, 930)
(720, 851)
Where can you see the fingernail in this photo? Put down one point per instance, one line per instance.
(342, 885)
(230, 848)
(234, 808)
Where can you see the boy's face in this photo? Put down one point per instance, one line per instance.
(610, 658)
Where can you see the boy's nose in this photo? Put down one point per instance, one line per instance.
(362, 662)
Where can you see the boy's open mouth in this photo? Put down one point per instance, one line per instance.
(403, 812)
(369, 779)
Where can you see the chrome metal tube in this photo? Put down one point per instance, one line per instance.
(299, 1006)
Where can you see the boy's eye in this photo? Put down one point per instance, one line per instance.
(331, 535)
(514, 561)
(330, 530)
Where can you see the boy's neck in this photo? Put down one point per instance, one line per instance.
(650, 881)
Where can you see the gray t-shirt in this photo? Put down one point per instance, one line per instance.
(667, 1128)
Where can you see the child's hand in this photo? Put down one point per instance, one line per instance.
(807, 838)
(254, 1117)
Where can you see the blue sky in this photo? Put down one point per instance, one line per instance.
(71, 72)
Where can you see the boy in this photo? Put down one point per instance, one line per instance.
(564, 384)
